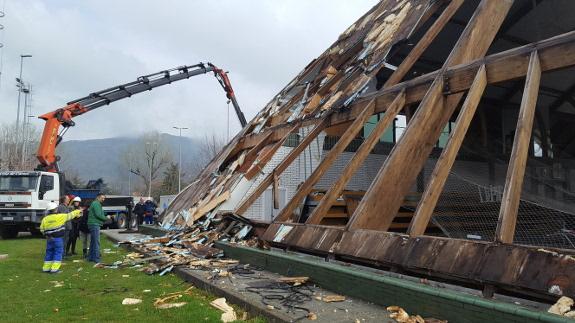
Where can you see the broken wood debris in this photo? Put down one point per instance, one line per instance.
(228, 315)
(331, 298)
(167, 301)
(401, 316)
(294, 281)
(563, 307)
(192, 247)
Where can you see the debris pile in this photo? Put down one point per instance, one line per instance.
(401, 316)
(228, 315)
(192, 246)
(563, 307)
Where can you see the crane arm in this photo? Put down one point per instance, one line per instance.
(62, 117)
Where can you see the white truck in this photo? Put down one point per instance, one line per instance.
(24, 197)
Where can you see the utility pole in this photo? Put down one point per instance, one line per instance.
(20, 88)
(180, 162)
(25, 125)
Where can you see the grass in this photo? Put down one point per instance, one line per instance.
(88, 294)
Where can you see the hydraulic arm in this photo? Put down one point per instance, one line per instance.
(52, 135)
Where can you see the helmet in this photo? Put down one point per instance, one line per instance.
(51, 206)
(77, 199)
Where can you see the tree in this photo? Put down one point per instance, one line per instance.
(170, 182)
(148, 158)
(18, 146)
(210, 146)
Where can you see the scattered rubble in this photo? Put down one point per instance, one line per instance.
(229, 314)
(192, 246)
(563, 307)
(401, 316)
(131, 301)
(294, 281)
(167, 301)
(331, 298)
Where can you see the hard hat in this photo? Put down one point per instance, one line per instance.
(52, 206)
(77, 199)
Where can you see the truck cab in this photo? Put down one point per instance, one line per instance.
(24, 197)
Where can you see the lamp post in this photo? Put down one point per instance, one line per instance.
(21, 86)
(180, 162)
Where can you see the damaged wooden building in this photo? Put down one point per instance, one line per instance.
(433, 137)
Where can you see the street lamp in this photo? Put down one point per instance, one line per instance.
(180, 162)
(21, 86)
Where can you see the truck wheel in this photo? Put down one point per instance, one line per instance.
(8, 232)
(121, 221)
(134, 222)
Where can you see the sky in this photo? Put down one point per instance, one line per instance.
(79, 47)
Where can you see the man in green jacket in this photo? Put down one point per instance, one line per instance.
(96, 218)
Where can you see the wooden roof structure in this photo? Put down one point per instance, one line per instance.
(383, 63)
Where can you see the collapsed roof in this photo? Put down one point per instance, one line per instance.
(494, 73)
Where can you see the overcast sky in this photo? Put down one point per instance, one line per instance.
(79, 47)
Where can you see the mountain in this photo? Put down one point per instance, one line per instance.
(103, 158)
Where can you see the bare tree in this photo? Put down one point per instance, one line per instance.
(210, 146)
(148, 159)
(18, 152)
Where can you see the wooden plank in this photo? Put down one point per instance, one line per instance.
(281, 167)
(423, 43)
(518, 160)
(357, 160)
(385, 195)
(331, 156)
(253, 153)
(554, 53)
(445, 162)
(259, 164)
(213, 203)
(275, 190)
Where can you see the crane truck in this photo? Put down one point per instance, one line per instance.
(24, 195)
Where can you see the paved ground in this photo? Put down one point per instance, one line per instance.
(350, 310)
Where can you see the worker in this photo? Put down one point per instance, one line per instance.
(64, 208)
(53, 226)
(84, 233)
(96, 219)
(75, 232)
(150, 208)
(140, 210)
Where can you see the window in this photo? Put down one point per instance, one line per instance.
(444, 136)
(18, 183)
(388, 134)
(46, 183)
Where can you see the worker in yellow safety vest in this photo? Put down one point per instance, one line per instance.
(53, 226)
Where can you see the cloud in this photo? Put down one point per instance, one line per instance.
(79, 47)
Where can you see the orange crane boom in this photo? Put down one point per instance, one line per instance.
(62, 117)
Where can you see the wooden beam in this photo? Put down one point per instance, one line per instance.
(275, 190)
(281, 167)
(423, 43)
(554, 53)
(251, 155)
(445, 162)
(361, 154)
(385, 195)
(518, 160)
(350, 134)
(259, 164)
